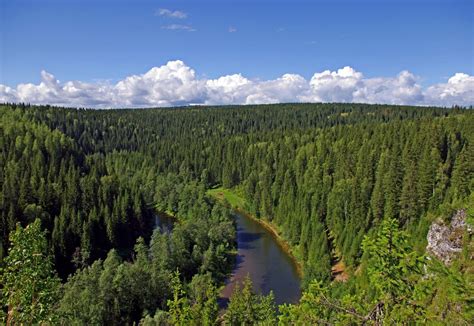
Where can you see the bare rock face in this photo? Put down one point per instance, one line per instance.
(445, 241)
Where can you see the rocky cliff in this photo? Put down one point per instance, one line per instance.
(445, 240)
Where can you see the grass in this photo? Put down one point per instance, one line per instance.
(229, 196)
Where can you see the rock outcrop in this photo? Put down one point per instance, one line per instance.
(445, 241)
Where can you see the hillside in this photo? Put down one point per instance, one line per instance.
(349, 184)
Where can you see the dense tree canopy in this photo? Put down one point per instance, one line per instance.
(328, 175)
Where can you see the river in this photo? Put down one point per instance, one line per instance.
(264, 260)
(260, 256)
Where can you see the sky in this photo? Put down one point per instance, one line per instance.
(139, 53)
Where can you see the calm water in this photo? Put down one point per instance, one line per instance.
(260, 256)
(269, 266)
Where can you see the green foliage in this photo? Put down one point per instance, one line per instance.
(203, 294)
(248, 308)
(196, 305)
(451, 295)
(394, 272)
(324, 174)
(113, 292)
(229, 196)
(30, 287)
(391, 262)
(312, 308)
(124, 291)
(403, 288)
(179, 307)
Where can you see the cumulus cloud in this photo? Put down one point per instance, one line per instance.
(231, 89)
(335, 86)
(402, 89)
(171, 13)
(348, 85)
(175, 84)
(458, 90)
(171, 84)
(287, 88)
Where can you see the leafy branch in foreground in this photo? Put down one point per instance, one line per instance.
(403, 288)
(31, 288)
(248, 308)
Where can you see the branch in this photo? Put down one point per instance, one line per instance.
(329, 303)
(372, 315)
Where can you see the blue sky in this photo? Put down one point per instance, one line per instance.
(95, 41)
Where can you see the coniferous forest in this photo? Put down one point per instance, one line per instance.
(350, 185)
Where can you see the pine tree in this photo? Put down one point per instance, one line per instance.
(247, 308)
(463, 173)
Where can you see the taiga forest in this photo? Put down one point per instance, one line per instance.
(374, 204)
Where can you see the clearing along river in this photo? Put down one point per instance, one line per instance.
(261, 257)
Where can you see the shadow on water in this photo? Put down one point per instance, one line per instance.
(244, 239)
(239, 260)
(223, 302)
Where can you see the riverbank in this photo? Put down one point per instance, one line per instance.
(237, 203)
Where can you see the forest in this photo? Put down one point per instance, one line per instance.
(351, 184)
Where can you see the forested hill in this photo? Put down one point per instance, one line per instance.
(107, 130)
(328, 175)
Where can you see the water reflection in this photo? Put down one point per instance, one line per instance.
(268, 265)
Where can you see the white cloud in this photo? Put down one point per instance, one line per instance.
(287, 88)
(175, 27)
(232, 29)
(7, 94)
(236, 89)
(332, 86)
(171, 13)
(458, 90)
(231, 89)
(402, 89)
(171, 84)
(175, 83)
